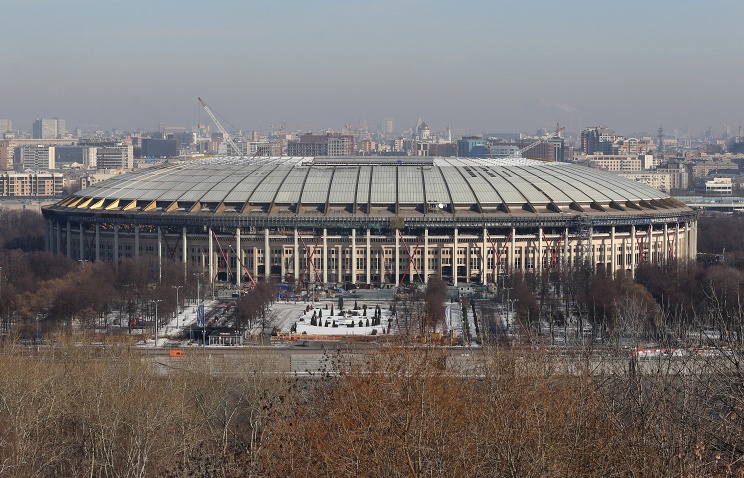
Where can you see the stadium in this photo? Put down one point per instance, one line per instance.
(371, 221)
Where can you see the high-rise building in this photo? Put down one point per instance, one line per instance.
(466, 145)
(598, 139)
(45, 128)
(36, 157)
(159, 148)
(387, 126)
(67, 155)
(120, 156)
(5, 126)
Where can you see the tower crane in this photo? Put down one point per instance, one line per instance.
(227, 137)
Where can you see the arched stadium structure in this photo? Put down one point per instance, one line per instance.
(372, 221)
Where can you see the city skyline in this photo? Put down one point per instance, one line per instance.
(478, 66)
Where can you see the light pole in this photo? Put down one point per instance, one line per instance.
(155, 301)
(177, 287)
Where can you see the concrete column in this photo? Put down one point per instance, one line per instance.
(694, 240)
(137, 240)
(255, 262)
(454, 258)
(439, 259)
(116, 246)
(238, 258)
(185, 255)
(592, 257)
(632, 250)
(98, 242)
(296, 257)
(677, 253)
(613, 255)
(425, 256)
(283, 266)
(353, 256)
(468, 272)
(484, 257)
(665, 257)
(160, 254)
(81, 246)
(325, 256)
(540, 239)
(689, 241)
(340, 262)
(211, 257)
(397, 257)
(58, 230)
(565, 258)
(267, 254)
(512, 249)
(68, 240)
(369, 257)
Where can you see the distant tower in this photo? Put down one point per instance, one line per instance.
(661, 140)
(388, 126)
(449, 134)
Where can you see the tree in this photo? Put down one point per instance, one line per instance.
(435, 303)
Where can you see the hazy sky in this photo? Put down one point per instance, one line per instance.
(476, 65)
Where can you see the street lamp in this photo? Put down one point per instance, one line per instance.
(177, 287)
(155, 301)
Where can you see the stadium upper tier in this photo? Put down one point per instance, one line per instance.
(361, 187)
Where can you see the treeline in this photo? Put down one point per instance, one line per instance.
(42, 292)
(402, 412)
(21, 230)
(663, 303)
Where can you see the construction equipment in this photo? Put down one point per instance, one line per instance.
(553, 134)
(225, 135)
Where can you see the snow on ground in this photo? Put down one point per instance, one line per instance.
(284, 315)
(453, 318)
(344, 323)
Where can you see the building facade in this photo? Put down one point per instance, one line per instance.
(31, 184)
(36, 157)
(372, 222)
(45, 128)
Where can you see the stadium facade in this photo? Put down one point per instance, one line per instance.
(372, 221)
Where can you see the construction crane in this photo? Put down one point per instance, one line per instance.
(227, 137)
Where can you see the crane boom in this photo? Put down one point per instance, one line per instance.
(541, 140)
(227, 137)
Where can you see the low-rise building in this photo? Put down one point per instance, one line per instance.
(31, 184)
(716, 186)
(656, 180)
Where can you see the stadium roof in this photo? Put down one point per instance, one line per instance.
(371, 186)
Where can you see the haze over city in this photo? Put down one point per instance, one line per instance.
(475, 66)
